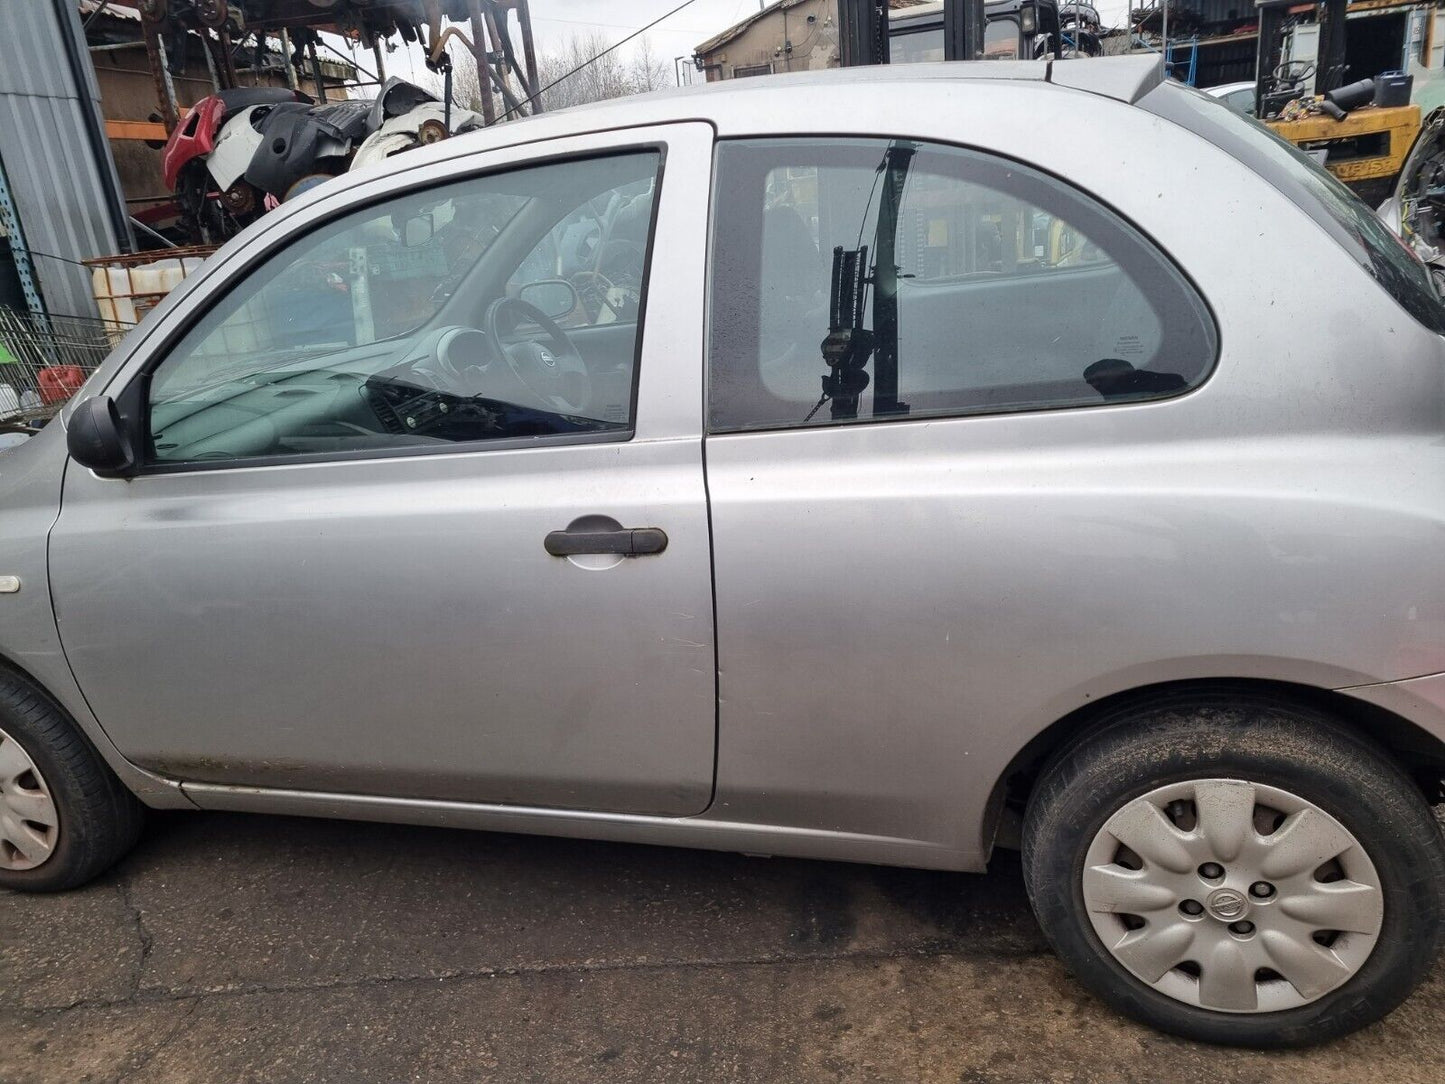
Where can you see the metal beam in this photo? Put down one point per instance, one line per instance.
(136, 129)
(479, 57)
(1330, 73)
(24, 269)
(1268, 48)
(963, 29)
(316, 74)
(862, 32)
(529, 56)
(291, 80)
(161, 73)
(228, 56)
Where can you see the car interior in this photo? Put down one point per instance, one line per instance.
(493, 308)
(1012, 293)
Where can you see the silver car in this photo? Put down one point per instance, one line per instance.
(882, 466)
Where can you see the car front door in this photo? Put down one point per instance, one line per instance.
(396, 535)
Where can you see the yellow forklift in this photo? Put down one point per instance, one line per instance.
(1363, 130)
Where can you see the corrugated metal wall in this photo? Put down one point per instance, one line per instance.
(64, 190)
(1219, 11)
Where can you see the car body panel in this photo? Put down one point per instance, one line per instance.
(396, 624)
(1018, 567)
(30, 480)
(235, 148)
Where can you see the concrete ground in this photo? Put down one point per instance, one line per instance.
(230, 948)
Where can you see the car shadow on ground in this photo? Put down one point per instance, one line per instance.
(753, 907)
(234, 947)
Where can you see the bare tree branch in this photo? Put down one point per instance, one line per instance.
(608, 76)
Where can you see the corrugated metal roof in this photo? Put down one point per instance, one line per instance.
(59, 188)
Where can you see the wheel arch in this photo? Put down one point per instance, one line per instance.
(1419, 752)
(153, 790)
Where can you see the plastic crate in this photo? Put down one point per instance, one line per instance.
(128, 286)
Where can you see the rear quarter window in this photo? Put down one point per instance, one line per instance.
(1010, 290)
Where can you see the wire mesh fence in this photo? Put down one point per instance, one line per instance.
(45, 359)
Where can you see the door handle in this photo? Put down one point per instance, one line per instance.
(628, 541)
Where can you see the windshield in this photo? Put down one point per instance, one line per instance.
(1333, 206)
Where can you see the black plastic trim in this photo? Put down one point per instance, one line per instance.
(629, 542)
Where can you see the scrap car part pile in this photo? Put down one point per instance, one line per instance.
(1416, 209)
(237, 152)
(1363, 130)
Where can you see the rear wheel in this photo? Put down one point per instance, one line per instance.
(64, 816)
(1237, 870)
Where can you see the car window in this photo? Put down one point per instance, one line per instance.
(1337, 210)
(1011, 291)
(1242, 100)
(597, 247)
(407, 325)
(1001, 40)
(916, 46)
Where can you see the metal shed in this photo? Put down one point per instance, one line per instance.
(54, 158)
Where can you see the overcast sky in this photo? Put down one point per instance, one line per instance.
(555, 21)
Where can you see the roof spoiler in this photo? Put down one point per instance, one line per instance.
(1123, 78)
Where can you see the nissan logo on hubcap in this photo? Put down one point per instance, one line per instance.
(1227, 904)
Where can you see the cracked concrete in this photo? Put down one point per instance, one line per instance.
(143, 937)
(238, 949)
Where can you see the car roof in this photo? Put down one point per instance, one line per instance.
(1124, 78)
(1228, 88)
(733, 106)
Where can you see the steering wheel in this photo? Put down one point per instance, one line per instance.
(1292, 72)
(557, 377)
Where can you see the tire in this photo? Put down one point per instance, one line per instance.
(1219, 753)
(49, 771)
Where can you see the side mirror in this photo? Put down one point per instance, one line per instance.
(555, 297)
(96, 438)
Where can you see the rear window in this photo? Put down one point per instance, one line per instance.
(1339, 211)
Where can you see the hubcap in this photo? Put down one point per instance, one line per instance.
(1227, 905)
(29, 824)
(1232, 895)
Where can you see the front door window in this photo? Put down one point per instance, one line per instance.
(435, 318)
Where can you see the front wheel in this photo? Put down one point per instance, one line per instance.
(64, 816)
(1236, 870)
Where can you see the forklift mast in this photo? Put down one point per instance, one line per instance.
(1330, 67)
(863, 31)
